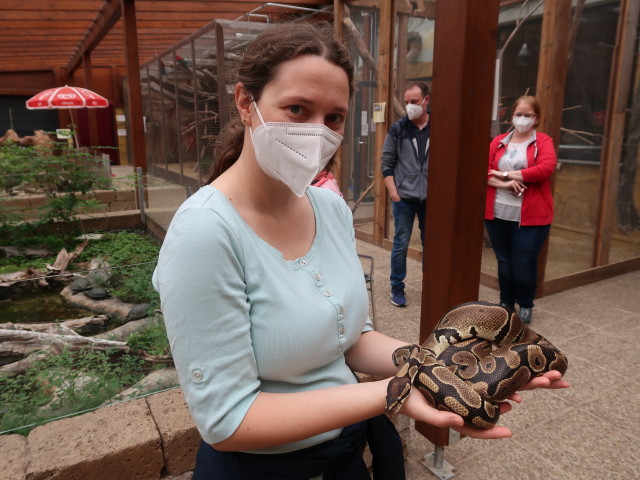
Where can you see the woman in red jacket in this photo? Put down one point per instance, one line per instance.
(519, 207)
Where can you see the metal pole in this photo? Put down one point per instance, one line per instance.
(141, 195)
(438, 457)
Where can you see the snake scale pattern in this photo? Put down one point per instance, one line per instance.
(478, 355)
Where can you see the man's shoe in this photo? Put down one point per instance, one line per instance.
(397, 297)
(526, 314)
(509, 306)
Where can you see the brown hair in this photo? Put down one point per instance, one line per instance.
(424, 88)
(263, 56)
(532, 101)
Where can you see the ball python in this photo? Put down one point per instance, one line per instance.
(477, 356)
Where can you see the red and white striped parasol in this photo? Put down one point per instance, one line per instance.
(66, 97)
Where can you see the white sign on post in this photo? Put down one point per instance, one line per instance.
(63, 133)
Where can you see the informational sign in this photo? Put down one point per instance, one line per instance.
(63, 133)
(378, 112)
(364, 124)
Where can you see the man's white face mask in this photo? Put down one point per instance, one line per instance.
(414, 111)
(293, 153)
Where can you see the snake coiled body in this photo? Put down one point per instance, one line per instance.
(478, 355)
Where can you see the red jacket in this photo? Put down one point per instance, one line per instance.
(537, 200)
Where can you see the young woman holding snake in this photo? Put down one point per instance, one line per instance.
(519, 206)
(262, 291)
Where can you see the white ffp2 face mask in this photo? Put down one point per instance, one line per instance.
(293, 153)
(414, 111)
(522, 124)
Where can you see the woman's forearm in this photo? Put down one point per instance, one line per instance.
(280, 418)
(372, 354)
(515, 175)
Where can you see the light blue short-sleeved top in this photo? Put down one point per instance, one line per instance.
(241, 319)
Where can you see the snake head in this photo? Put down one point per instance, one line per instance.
(398, 390)
(402, 354)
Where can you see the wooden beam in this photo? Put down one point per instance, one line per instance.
(91, 112)
(384, 93)
(134, 91)
(464, 59)
(338, 168)
(107, 17)
(553, 65)
(619, 87)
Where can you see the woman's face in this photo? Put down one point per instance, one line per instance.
(525, 109)
(307, 89)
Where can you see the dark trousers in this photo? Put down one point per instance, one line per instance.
(404, 214)
(339, 459)
(517, 249)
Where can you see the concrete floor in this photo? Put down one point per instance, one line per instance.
(588, 432)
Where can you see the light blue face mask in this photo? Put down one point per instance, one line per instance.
(293, 153)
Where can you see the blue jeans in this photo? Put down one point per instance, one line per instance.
(517, 249)
(404, 213)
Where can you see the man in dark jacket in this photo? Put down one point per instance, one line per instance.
(405, 156)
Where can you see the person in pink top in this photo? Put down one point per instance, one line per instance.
(519, 204)
(325, 179)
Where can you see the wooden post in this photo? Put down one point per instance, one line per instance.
(337, 31)
(463, 73)
(553, 64)
(384, 93)
(61, 78)
(116, 87)
(401, 70)
(135, 115)
(619, 85)
(91, 113)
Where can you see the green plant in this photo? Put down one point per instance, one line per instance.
(14, 161)
(16, 264)
(152, 339)
(64, 384)
(135, 255)
(66, 175)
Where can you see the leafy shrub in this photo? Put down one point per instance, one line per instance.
(64, 384)
(152, 339)
(138, 254)
(66, 175)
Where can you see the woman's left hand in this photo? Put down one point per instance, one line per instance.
(417, 407)
(552, 380)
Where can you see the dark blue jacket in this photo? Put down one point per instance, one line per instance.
(400, 158)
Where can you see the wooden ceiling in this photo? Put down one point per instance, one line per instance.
(50, 34)
(54, 34)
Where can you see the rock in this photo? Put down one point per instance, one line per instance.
(80, 285)
(122, 333)
(139, 310)
(155, 381)
(99, 271)
(108, 306)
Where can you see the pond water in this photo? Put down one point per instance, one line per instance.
(39, 306)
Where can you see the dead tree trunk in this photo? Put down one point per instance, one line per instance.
(21, 342)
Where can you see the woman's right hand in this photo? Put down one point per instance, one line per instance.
(515, 187)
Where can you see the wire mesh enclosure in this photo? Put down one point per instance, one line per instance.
(187, 95)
